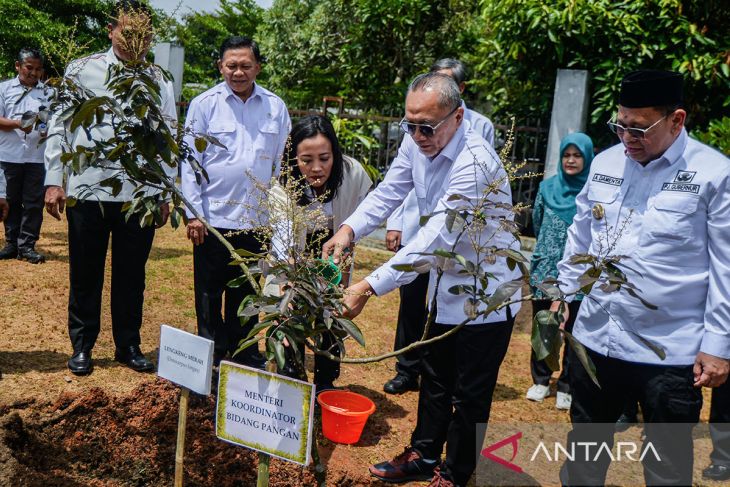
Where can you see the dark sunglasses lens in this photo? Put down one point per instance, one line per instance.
(426, 130)
(637, 134)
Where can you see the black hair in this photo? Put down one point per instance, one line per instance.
(127, 6)
(305, 128)
(458, 69)
(29, 52)
(238, 42)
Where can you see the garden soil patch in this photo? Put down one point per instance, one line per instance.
(117, 427)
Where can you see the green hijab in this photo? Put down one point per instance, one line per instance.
(559, 191)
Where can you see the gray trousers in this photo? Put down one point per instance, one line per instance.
(25, 191)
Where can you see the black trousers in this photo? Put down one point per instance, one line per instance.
(89, 226)
(218, 319)
(539, 369)
(720, 425)
(25, 191)
(458, 377)
(412, 315)
(666, 395)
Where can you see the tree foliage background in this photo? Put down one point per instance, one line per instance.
(367, 50)
(34, 23)
(524, 42)
(363, 50)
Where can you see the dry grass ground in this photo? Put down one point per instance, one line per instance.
(34, 344)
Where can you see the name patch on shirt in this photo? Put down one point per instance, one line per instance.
(682, 188)
(602, 178)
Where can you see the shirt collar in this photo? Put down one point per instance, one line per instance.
(226, 90)
(671, 155)
(112, 58)
(453, 148)
(16, 82)
(675, 151)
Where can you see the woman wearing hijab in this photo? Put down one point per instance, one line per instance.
(553, 213)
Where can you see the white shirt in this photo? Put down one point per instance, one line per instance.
(16, 99)
(91, 73)
(678, 256)
(2, 184)
(406, 218)
(465, 166)
(254, 134)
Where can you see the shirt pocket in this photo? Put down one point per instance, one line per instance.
(603, 196)
(265, 145)
(669, 232)
(225, 133)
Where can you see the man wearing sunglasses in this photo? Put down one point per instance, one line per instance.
(440, 157)
(661, 200)
(402, 227)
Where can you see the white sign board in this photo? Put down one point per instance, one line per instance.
(185, 359)
(265, 412)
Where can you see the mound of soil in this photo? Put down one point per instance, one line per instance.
(92, 439)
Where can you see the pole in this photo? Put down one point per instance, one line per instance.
(181, 425)
(263, 477)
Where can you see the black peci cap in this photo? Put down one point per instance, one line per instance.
(651, 88)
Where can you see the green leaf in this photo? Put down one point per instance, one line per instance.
(351, 329)
(546, 339)
(588, 279)
(200, 144)
(279, 352)
(582, 354)
(503, 293)
(582, 259)
(511, 254)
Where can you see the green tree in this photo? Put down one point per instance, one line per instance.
(364, 50)
(39, 23)
(202, 33)
(524, 42)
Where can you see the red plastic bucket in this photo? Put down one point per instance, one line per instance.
(344, 415)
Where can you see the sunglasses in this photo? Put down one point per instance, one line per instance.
(620, 130)
(427, 130)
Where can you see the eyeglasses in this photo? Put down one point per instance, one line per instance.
(426, 130)
(620, 130)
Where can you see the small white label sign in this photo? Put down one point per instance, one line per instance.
(265, 412)
(185, 359)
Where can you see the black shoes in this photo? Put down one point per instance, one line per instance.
(407, 466)
(80, 363)
(8, 252)
(133, 358)
(716, 472)
(400, 384)
(31, 256)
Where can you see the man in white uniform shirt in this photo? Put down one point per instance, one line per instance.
(671, 196)
(401, 227)
(97, 215)
(21, 156)
(459, 373)
(253, 124)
